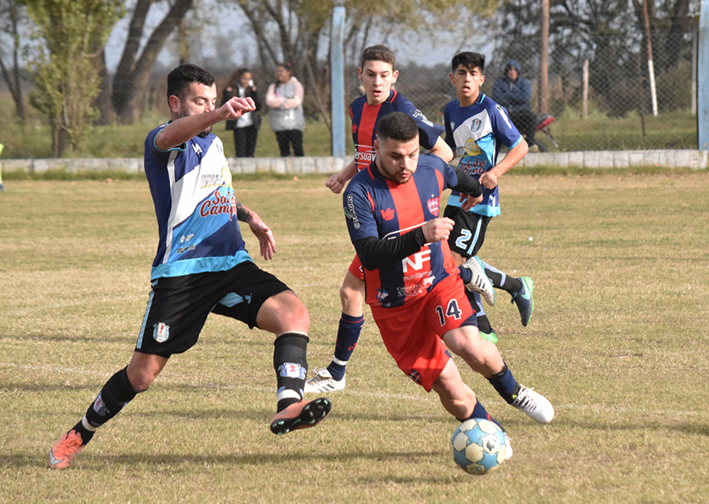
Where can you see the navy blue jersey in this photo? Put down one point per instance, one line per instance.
(365, 119)
(195, 206)
(476, 134)
(380, 208)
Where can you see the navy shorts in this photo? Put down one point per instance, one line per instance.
(178, 306)
(468, 232)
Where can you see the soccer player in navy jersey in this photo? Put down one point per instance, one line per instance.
(377, 73)
(202, 266)
(413, 286)
(476, 130)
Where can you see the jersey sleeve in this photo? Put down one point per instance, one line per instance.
(502, 126)
(358, 212)
(153, 149)
(428, 131)
(449, 131)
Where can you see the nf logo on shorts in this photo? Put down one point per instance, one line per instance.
(292, 370)
(161, 332)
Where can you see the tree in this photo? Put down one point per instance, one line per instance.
(298, 30)
(65, 77)
(131, 82)
(11, 16)
(609, 33)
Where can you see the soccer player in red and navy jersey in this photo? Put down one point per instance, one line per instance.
(413, 287)
(377, 73)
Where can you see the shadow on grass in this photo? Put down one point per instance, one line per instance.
(182, 462)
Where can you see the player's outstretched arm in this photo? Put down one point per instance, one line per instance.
(267, 242)
(442, 150)
(337, 181)
(183, 129)
(490, 178)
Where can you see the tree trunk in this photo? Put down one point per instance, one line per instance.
(103, 101)
(131, 83)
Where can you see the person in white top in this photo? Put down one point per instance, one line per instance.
(285, 98)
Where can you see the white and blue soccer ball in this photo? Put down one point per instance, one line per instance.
(479, 446)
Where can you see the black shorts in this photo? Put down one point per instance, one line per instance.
(178, 306)
(468, 232)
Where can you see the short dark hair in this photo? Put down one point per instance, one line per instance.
(469, 60)
(184, 76)
(397, 126)
(378, 53)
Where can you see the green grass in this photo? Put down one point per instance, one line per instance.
(673, 130)
(618, 343)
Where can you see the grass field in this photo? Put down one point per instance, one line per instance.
(618, 343)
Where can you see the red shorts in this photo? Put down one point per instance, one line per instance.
(356, 268)
(412, 333)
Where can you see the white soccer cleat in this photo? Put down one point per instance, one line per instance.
(479, 282)
(535, 405)
(323, 382)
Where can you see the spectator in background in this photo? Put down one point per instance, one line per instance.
(285, 98)
(246, 127)
(513, 92)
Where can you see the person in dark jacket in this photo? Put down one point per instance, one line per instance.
(246, 127)
(513, 92)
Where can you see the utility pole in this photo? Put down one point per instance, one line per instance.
(544, 60)
(650, 68)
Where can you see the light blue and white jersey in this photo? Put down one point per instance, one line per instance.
(195, 207)
(476, 134)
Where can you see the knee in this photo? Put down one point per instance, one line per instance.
(294, 313)
(352, 291)
(140, 379)
(471, 351)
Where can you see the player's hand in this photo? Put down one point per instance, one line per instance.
(469, 202)
(335, 183)
(437, 229)
(267, 242)
(488, 179)
(235, 107)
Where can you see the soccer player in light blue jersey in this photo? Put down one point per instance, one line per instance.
(476, 130)
(202, 266)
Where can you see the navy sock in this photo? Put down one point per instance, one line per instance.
(479, 411)
(501, 280)
(505, 384)
(465, 274)
(347, 337)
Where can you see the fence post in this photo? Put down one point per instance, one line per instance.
(337, 81)
(703, 80)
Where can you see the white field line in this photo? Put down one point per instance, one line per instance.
(370, 394)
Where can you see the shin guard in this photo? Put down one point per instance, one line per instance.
(291, 365)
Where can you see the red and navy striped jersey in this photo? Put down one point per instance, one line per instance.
(365, 119)
(380, 208)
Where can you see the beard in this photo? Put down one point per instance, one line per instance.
(205, 132)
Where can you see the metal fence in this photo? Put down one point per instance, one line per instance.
(600, 91)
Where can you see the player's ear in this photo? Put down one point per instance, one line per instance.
(394, 76)
(175, 103)
(359, 73)
(482, 80)
(450, 78)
